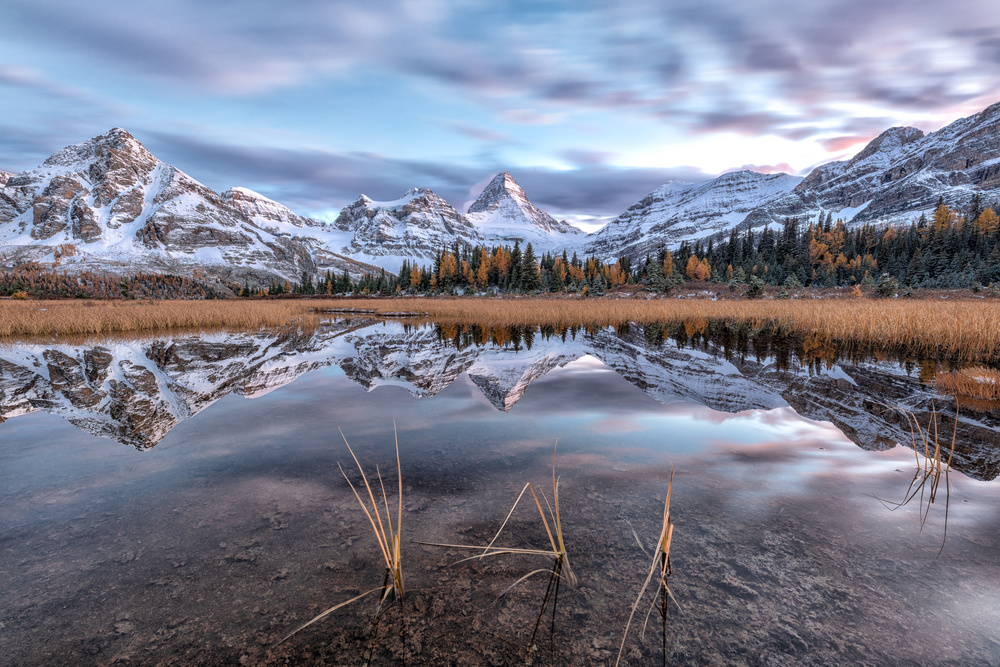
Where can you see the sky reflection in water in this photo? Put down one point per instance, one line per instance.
(766, 501)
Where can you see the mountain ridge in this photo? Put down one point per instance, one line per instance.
(123, 210)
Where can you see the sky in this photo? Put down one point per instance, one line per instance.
(589, 105)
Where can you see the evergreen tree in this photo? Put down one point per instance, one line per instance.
(529, 270)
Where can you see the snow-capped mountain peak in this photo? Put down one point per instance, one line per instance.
(267, 212)
(114, 204)
(503, 214)
(502, 187)
(415, 226)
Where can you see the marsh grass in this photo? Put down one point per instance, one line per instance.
(932, 467)
(99, 318)
(560, 569)
(975, 387)
(962, 328)
(389, 538)
(660, 569)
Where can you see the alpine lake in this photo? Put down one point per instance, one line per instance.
(187, 499)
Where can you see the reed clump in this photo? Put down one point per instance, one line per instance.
(560, 569)
(659, 569)
(975, 386)
(929, 450)
(389, 537)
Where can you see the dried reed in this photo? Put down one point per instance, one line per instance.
(100, 318)
(965, 329)
(660, 568)
(931, 467)
(976, 386)
(389, 537)
(560, 569)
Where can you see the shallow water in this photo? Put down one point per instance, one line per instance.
(177, 500)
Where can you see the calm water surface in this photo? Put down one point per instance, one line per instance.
(177, 500)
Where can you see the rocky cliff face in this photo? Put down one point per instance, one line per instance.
(136, 392)
(902, 173)
(504, 215)
(125, 210)
(4, 177)
(420, 223)
(269, 214)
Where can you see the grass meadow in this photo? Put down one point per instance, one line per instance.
(966, 328)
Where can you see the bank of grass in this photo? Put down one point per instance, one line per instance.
(969, 329)
(975, 387)
(97, 318)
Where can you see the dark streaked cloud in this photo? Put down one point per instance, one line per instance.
(481, 86)
(653, 58)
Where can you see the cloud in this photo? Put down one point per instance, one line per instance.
(477, 132)
(840, 144)
(770, 56)
(751, 123)
(312, 181)
(583, 157)
(754, 68)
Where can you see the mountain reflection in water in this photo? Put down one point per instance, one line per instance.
(136, 391)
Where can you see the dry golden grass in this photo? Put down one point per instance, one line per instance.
(928, 450)
(100, 318)
(981, 385)
(660, 568)
(969, 329)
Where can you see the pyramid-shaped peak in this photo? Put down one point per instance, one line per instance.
(116, 140)
(503, 186)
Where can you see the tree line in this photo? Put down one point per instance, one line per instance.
(40, 281)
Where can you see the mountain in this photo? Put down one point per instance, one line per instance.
(415, 226)
(316, 235)
(899, 175)
(504, 215)
(678, 211)
(902, 173)
(109, 204)
(4, 177)
(420, 223)
(269, 214)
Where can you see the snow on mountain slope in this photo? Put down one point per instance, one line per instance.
(267, 213)
(122, 209)
(415, 226)
(898, 176)
(279, 220)
(903, 172)
(4, 177)
(679, 211)
(504, 215)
